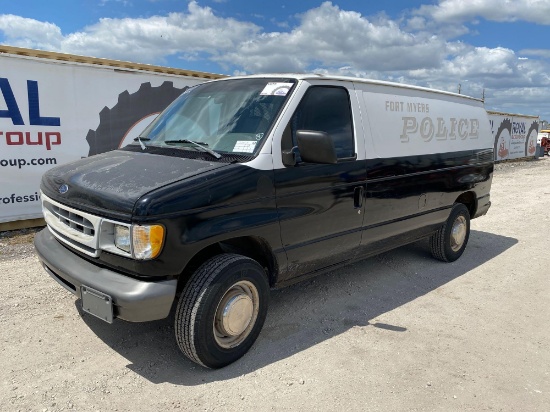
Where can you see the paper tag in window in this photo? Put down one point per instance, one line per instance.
(276, 89)
(244, 146)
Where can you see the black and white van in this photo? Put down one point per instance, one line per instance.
(251, 183)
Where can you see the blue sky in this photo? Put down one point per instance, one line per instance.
(500, 46)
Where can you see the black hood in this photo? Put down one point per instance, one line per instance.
(111, 183)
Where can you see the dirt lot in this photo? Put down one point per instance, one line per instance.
(397, 332)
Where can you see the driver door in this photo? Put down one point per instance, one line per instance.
(321, 206)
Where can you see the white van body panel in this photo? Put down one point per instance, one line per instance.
(407, 122)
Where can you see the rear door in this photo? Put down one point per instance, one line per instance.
(321, 205)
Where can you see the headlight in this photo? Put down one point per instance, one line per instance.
(147, 241)
(138, 242)
(122, 238)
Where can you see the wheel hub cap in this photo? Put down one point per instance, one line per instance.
(458, 233)
(237, 314)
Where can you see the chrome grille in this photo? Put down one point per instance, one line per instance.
(73, 227)
(74, 220)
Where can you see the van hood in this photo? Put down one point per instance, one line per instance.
(110, 184)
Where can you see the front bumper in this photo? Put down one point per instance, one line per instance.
(134, 300)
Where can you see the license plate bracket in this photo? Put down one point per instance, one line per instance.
(97, 303)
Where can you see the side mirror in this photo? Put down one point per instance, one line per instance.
(289, 157)
(316, 147)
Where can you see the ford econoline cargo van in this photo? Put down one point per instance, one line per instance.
(250, 183)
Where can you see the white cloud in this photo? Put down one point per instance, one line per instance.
(522, 100)
(143, 40)
(124, 2)
(329, 36)
(490, 68)
(458, 11)
(545, 53)
(25, 32)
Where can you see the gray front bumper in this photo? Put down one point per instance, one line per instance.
(134, 300)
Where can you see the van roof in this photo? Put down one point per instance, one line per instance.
(317, 76)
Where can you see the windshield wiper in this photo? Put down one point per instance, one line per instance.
(199, 145)
(141, 140)
(186, 141)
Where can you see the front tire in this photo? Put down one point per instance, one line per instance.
(449, 242)
(222, 310)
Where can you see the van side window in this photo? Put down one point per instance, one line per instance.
(326, 109)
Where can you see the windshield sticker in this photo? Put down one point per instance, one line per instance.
(244, 146)
(276, 89)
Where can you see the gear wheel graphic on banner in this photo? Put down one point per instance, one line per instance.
(131, 109)
(502, 143)
(531, 139)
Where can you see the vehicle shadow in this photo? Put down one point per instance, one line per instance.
(304, 315)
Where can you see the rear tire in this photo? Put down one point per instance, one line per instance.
(449, 242)
(222, 310)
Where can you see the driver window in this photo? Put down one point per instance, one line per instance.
(326, 109)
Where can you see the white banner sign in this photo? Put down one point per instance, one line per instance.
(54, 112)
(515, 135)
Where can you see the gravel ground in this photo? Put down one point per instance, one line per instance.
(398, 332)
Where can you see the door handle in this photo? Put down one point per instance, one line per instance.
(358, 197)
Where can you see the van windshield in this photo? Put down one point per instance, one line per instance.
(230, 116)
